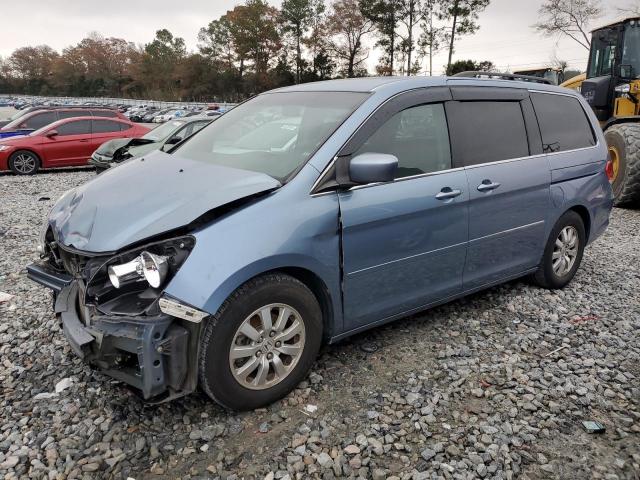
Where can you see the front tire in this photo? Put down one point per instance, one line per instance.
(624, 149)
(261, 343)
(563, 252)
(24, 162)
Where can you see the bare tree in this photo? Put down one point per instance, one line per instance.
(347, 27)
(632, 8)
(568, 17)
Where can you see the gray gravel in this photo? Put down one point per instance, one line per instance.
(492, 386)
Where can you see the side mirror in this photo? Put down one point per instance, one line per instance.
(51, 133)
(625, 71)
(373, 168)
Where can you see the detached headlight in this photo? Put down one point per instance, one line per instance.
(624, 88)
(4, 147)
(154, 264)
(148, 266)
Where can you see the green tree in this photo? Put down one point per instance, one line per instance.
(385, 16)
(297, 17)
(469, 66)
(161, 63)
(463, 15)
(433, 37)
(253, 29)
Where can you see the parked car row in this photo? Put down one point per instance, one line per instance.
(152, 114)
(142, 112)
(63, 143)
(60, 136)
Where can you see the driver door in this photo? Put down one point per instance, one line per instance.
(404, 242)
(72, 145)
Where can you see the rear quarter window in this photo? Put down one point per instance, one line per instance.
(105, 126)
(564, 124)
(39, 120)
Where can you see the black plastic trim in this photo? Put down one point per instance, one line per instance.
(48, 276)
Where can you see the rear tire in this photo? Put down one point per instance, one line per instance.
(24, 162)
(562, 257)
(243, 364)
(625, 139)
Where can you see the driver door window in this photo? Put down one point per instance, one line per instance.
(82, 127)
(418, 137)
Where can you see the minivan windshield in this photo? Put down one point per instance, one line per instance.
(273, 133)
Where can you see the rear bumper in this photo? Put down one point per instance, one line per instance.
(152, 354)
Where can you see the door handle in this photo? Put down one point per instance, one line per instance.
(487, 186)
(447, 193)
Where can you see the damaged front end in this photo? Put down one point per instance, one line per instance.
(116, 317)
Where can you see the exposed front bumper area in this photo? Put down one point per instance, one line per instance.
(154, 354)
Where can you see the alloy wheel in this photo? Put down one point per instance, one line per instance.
(565, 251)
(267, 346)
(24, 163)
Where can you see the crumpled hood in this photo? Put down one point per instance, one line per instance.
(146, 197)
(108, 149)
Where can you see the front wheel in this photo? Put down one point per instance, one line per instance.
(563, 252)
(24, 162)
(261, 343)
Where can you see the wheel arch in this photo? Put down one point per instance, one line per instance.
(584, 215)
(328, 295)
(619, 121)
(319, 289)
(28, 150)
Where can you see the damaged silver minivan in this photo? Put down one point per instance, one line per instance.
(311, 213)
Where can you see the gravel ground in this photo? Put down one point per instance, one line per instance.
(492, 386)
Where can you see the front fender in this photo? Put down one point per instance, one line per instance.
(287, 229)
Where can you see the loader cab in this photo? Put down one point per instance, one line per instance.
(613, 70)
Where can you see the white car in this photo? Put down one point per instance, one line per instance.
(170, 115)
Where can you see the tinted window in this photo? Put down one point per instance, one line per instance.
(488, 132)
(124, 126)
(105, 126)
(39, 120)
(563, 123)
(73, 113)
(418, 136)
(104, 113)
(81, 127)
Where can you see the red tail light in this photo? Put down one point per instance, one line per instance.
(608, 169)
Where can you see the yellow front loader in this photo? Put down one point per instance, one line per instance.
(611, 86)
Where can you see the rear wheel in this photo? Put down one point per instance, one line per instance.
(24, 162)
(563, 252)
(261, 343)
(624, 149)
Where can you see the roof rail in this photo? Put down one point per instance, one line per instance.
(503, 76)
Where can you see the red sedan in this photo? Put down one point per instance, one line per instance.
(64, 143)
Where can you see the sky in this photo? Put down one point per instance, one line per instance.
(505, 36)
